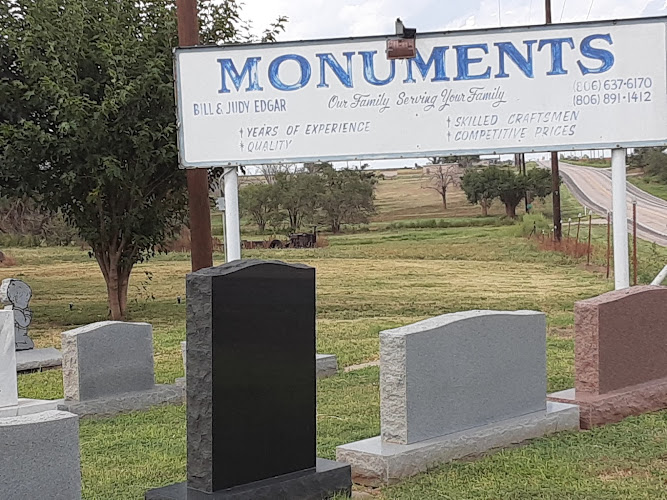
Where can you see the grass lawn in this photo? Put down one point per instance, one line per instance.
(654, 188)
(597, 163)
(367, 282)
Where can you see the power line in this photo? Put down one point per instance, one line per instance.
(563, 10)
(590, 9)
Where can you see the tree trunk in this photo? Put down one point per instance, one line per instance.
(443, 193)
(335, 227)
(122, 291)
(117, 279)
(261, 226)
(485, 208)
(510, 210)
(113, 294)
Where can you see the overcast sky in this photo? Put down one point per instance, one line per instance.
(313, 19)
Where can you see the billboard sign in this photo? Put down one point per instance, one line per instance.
(558, 87)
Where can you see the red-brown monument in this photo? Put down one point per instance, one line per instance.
(620, 355)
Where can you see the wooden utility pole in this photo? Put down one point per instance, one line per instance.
(200, 212)
(634, 242)
(555, 175)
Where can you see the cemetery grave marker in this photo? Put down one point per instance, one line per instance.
(15, 295)
(108, 369)
(457, 385)
(251, 387)
(620, 355)
(10, 404)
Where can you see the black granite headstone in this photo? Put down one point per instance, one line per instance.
(251, 386)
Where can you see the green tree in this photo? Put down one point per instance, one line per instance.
(652, 160)
(88, 128)
(347, 196)
(512, 187)
(297, 194)
(258, 201)
(539, 183)
(480, 187)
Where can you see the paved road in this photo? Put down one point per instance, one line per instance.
(592, 188)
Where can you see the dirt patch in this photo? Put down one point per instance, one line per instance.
(354, 368)
(620, 474)
(592, 268)
(564, 332)
(6, 260)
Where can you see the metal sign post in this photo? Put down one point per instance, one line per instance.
(232, 216)
(620, 217)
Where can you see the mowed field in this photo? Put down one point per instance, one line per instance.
(366, 282)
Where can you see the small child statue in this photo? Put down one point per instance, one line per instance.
(16, 295)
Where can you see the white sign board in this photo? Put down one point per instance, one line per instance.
(558, 87)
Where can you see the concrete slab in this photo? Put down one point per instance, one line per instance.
(38, 359)
(375, 462)
(126, 402)
(30, 407)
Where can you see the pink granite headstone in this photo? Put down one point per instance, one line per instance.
(620, 355)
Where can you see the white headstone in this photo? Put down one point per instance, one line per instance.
(8, 387)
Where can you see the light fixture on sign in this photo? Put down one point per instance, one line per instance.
(403, 47)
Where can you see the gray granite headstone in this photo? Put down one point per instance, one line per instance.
(458, 371)
(457, 385)
(106, 359)
(39, 457)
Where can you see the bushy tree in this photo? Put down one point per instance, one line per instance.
(259, 202)
(652, 160)
(539, 183)
(88, 124)
(346, 196)
(297, 194)
(482, 186)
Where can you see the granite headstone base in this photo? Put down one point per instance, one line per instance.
(612, 407)
(38, 359)
(29, 407)
(328, 479)
(376, 462)
(39, 457)
(123, 403)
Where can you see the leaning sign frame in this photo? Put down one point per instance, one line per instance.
(575, 86)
